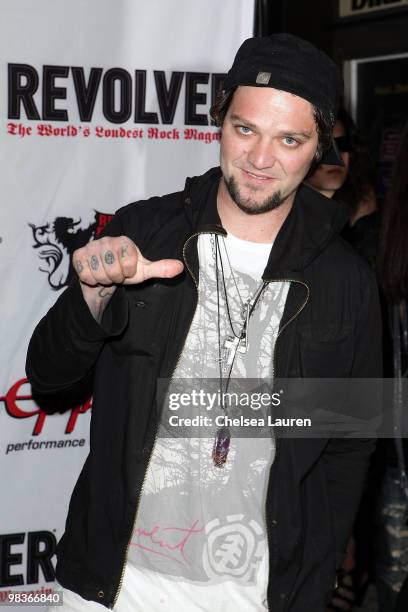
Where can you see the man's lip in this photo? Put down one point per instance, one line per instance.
(257, 177)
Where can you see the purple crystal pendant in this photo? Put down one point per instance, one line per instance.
(221, 446)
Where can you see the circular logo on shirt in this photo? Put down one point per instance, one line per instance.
(233, 548)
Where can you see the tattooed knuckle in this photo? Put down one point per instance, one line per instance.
(94, 262)
(109, 257)
(124, 251)
(78, 265)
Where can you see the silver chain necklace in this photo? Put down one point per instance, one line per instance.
(238, 341)
(232, 344)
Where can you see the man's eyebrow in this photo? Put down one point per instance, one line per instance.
(243, 121)
(303, 133)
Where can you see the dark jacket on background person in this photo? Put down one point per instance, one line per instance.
(330, 328)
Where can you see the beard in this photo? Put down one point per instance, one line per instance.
(249, 205)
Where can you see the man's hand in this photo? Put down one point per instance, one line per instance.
(103, 264)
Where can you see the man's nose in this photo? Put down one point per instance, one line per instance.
(262, 154)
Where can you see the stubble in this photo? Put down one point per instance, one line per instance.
(249, 205)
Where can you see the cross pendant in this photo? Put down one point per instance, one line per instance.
(231, 345)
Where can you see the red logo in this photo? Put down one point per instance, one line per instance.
(20, 405)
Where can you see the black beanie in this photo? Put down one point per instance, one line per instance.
(289, 63)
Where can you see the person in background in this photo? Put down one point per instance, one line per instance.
(358, 191)
(328, 178)
(354, 184)
(392, 514)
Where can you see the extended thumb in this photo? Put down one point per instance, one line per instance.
(163, 268)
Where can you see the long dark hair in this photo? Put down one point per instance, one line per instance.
(361, 174)
(393, 252)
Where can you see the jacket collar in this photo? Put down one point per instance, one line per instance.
(313, 222)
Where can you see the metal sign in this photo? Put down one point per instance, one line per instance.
(350, 8)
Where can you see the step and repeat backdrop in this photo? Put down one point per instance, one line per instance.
(102, 103)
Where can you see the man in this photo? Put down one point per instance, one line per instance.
(188, 286)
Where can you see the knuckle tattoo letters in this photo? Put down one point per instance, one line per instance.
(109, 257)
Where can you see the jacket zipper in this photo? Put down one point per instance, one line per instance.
(155, 435)
(175, 367)
(273, 376)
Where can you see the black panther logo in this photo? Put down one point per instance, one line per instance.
(56, 241)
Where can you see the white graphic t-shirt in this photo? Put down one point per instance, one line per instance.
(199, 540)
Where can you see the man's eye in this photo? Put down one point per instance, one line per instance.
(288, 140)
(243, 129)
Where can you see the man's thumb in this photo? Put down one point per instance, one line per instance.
(163, 268)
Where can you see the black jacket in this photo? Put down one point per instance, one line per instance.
(330, 328)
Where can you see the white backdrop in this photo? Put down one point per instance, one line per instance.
(78, 81)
